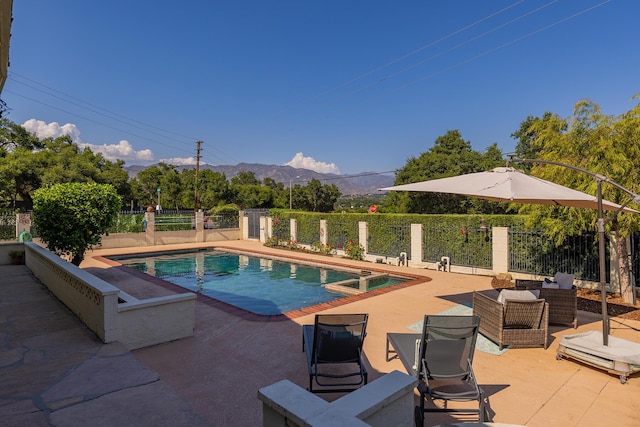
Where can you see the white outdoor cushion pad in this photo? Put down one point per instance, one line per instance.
(564, 280)
(506, 294)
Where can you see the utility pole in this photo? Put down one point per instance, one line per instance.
(195, 194)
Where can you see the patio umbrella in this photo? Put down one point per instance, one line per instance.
(507, 184)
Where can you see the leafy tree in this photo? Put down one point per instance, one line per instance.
(450, 156)
(214, 188)
(13, 136)
(72, 217)
(252, 196)
(170, 186)
(603, 144)
(145, 185)
(526, 136)
(319, 197)
(245, 178)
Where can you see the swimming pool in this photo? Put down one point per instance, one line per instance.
(260, 285)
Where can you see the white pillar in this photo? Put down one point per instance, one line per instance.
(500, 249)
(150, 230)
(323, 231)
(363, 235)
(416, 243)
(199, 226)
(293, 226)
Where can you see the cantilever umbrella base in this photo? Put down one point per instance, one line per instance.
(620, 357)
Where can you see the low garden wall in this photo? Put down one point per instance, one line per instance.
(106, 310)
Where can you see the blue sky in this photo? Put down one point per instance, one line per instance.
(336, 86)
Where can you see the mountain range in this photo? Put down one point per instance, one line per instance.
(349, 185)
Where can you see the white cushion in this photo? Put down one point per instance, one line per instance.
(550, 285)
(564, 280)
(506, 294)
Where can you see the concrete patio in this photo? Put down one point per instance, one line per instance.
(53, 371)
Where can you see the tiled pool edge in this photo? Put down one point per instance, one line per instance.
(248, 315)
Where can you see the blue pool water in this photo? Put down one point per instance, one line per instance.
(260, 285)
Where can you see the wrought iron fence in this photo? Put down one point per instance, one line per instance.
(533, 252)
(7, 225)
(175, 222)
(389, 237)
(128, 223)
(465, 246)
(635, 258)
(340, 231)
(281, 229)
(308, 230)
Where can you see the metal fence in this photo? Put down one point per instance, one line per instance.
(7, 225)
(281, 229)
(340, 231)
(465, 246)
(533, 252)
(389, 238)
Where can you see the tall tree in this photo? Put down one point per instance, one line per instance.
(145, 185)
(603, 144)
(450, 155)
(526, 136)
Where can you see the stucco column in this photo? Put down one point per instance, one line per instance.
(293, 227)
(200, 226)
(500, 250)
(323, 231)
(416, 243)
(363, 234)
(150, 228)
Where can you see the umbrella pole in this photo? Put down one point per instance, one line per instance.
(603, 271)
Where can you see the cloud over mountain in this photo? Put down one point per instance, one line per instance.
(300, 161)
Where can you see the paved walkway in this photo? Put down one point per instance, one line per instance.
(54, 372)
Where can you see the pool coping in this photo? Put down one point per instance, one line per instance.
(255, 317)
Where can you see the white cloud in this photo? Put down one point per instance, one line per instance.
(53, 130)
(300, 161)
(180, 161)
(120, 151)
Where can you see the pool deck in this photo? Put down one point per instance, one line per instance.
(53, 371)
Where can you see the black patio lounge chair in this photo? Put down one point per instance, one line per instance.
(334, 352)
(444, 367)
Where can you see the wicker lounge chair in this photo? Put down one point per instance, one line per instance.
(335, 340)
(441, 357)
(514, 323)
(563, 303)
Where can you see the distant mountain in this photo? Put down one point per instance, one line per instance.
(362, 183)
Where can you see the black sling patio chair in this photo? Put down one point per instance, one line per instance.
(444, 366)
(334, 352)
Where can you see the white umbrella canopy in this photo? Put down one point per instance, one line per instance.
(507, 184)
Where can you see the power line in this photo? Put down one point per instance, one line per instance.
(405, 56)
(473, 58)
(127, 121)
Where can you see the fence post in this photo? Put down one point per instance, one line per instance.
(266, 228)
(416, 243)
(323, 231)
(500, 249)
(244, 225)
(293, 229)
(363, 235)
(150, 228)
(199, 226)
